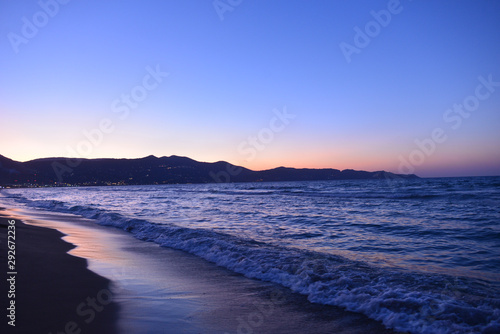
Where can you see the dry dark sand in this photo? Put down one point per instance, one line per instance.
(158, 290)
(50, 285)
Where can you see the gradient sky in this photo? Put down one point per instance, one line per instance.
(228, 78)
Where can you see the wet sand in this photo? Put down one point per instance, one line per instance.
(161, 290)
(54, 291)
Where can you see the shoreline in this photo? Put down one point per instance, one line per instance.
(162, 290)
(54, 291)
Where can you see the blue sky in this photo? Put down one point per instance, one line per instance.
(230, 79)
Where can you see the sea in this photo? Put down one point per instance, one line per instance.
(419, 256)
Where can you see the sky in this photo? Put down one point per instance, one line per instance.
(403, 86)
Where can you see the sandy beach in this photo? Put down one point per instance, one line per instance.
(154, 289)
(54, 291)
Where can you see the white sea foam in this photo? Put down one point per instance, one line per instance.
(403, 301)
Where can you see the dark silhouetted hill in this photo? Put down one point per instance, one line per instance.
(153, 170)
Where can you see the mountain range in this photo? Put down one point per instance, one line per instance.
(154, 170)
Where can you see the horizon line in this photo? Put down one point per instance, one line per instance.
(257, 170)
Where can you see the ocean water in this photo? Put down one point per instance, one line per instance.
(421, 256)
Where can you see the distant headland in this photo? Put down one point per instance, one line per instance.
(49, 172)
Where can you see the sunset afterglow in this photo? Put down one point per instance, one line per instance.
(341, 85)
